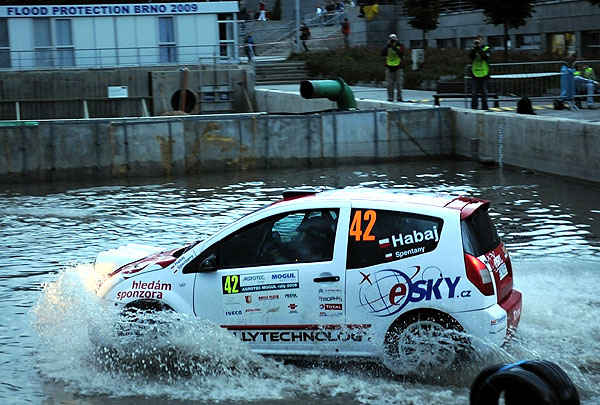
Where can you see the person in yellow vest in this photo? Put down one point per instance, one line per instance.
(480, 72)
(585, 82)
(394, 67)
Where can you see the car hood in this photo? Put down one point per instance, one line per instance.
(132, 259)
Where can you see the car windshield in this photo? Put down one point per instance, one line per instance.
(479, 234)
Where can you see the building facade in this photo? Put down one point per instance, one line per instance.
(107, 35)
(563, 27)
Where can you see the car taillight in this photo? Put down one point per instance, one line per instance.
(479, 274)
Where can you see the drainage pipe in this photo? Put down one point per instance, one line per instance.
(335, 90)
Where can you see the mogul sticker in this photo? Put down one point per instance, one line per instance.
(257, 282)
(141, 289)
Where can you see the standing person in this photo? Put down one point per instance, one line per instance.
(394, 63)
(319, 13)
(480, 72)
(346, 32)
(250, 47)
(262, 11)
(304, 35)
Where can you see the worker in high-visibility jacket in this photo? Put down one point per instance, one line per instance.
(585, 82)
(394, 63)
(480, 72)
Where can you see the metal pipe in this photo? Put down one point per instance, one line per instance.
(335, 90)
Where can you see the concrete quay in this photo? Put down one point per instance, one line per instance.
(292, 131)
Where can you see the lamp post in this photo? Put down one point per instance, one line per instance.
(297, 25)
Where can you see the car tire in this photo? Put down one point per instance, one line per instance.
(520, 387)
(481, 379)
(556, 378)
(139, 318)
(422, 344)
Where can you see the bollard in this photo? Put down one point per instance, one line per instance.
(335, 90)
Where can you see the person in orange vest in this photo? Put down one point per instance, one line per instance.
(346, 32)
(394, 63)
(480, 72)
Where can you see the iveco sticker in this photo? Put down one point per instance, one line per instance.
(392, 290)
(236, 312)
(245, 283)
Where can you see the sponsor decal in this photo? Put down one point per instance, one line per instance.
(392, 290)
(248, 299)
(236, 283)
(235, 312)
(410, 238)
(250, 310)
(302, 336)
(271, 310)
(365, 278)
(326, 291)
(268, 297)
(331, 307)
(293, 308)
(291, 295)
(141, 289)
(500, 320)
(329, 299)
(330, 314)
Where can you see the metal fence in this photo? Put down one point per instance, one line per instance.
(535, 80)
(123, 57)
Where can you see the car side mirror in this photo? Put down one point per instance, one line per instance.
(209, 264)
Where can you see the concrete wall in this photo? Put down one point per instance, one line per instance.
(564, 147)
(61, 150)
(53, 89)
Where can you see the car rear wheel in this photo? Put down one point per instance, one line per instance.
(423, 345)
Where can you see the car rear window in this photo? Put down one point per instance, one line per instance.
(479, 235)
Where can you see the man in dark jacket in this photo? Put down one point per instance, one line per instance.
(394, 67)
(480, 72)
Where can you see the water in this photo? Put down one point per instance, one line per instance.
(51, 233)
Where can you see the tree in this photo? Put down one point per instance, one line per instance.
(509, 13)
(424, 15)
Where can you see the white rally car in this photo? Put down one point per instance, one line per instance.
(388, 275)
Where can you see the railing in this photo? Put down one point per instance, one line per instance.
(535, 80)
(122, 57)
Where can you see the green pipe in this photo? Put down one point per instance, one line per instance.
(335, 90)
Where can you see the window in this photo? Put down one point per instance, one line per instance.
(296, 237)
(378, 236)
(64, 43)
(42, 42)
(562, 44)
(166, 40)
(446, 43)
(590, 44)
(4, 44)
(531, 41)
(479, 234)
(496, 41)
(416, 43)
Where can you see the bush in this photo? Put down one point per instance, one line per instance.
(365, 64)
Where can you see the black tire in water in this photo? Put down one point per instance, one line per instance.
(521, 387)
(556, 378)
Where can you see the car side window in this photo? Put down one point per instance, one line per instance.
(296, 237)
(380, 236)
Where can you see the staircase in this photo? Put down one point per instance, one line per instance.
(281, 72)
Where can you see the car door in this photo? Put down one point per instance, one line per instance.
(392, 267)
(278, 281)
